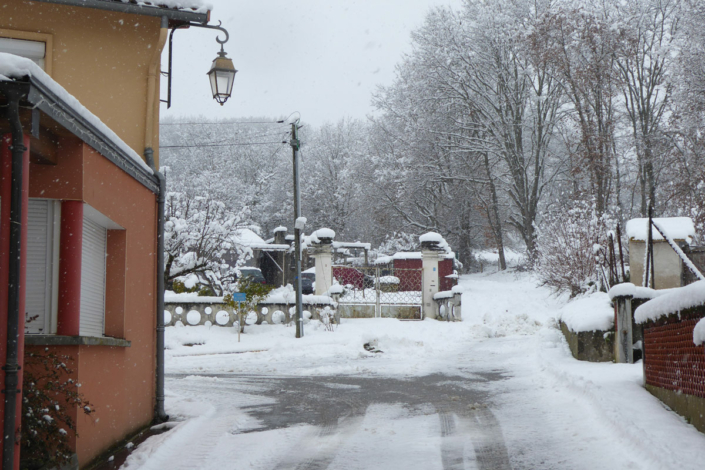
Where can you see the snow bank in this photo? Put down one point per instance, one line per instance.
(678, 228)
(672, 301)
(15, 67)
(591, 312)
(190, 298)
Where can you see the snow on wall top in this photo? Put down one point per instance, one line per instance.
(588, 313)
(409, 255)
(678, 228)
(673, 301)
(627, 289)
(324, 233)
(366, 246)
(699, 333)
(190, 298)
(196, 6)
(281, 228)
(15, 67)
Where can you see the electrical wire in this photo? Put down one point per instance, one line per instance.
(219, 145)
(219, 123)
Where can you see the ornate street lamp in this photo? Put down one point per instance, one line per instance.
(222, 72)
(222, 76)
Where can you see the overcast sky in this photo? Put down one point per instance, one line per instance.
(322, 58)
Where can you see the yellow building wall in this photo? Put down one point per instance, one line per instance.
(100, 57)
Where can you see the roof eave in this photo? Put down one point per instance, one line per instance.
(171, 14)
(53, 106)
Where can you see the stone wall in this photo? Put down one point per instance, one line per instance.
(592, 346)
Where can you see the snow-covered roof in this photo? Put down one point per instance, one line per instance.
(678, 228)
(365, 246)
(673, 301)
(93, 130)
(248, 238)
(187, 6)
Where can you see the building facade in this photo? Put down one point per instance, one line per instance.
(79, 86)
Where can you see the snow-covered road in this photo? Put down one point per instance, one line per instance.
(499, 390)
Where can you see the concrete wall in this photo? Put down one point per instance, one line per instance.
(667, 264)
(591, 346)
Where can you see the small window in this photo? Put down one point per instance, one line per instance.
(34, 50)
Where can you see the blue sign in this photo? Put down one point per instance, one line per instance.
(239, 297)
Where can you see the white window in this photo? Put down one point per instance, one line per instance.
(93, 277)
(41, 295)
(34, 50)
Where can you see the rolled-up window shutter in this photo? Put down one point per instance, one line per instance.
(34, 50)
(38, 294)
(93, 279)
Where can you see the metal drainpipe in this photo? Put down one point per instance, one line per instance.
(160, 413)
(12, 366)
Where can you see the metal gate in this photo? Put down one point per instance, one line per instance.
(373, 291)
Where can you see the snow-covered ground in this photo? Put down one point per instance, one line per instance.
(551, 411)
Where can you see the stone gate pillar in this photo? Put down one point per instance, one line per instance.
(322, 252)
(430, 253)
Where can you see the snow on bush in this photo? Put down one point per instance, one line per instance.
(566, 257)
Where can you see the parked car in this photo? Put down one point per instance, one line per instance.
(308, 280)
(253, 274)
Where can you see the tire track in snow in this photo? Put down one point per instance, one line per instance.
(488, 440)
(452, 444)
(321, 448)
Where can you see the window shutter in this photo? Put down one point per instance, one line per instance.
(93, 279)
(39, 266)
(34, 50)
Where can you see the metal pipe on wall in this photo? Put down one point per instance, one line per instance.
(15, 286)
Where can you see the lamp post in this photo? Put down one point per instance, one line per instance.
(222, 76)
(222, 72)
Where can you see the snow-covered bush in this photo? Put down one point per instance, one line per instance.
(198, 235)
(48, 396)
(570, 248)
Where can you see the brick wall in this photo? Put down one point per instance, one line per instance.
(671, 360)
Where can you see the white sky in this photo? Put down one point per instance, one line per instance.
(322, 58)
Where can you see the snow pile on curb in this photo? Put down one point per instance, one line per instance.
(673, 301)
(591, 312)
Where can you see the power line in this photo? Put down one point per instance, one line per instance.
(220, 145)
(218, 123)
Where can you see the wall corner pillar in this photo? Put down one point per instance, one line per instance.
(70, 254)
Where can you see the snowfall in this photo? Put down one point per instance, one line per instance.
(553, 411)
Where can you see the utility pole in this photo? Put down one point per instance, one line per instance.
(298, 226)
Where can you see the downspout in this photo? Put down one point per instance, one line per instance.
(12, 366)
(152, 102)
